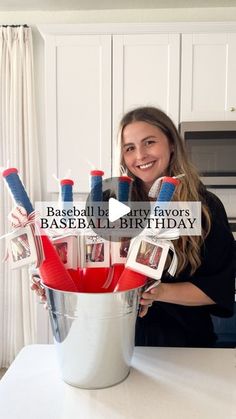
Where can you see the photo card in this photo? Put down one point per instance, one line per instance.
(119, 250)
(96, 251)
(148, 256)
(66, 247)
(21, 248)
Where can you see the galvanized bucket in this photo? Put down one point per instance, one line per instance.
(94, 335)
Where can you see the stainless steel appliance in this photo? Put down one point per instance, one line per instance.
(212, 148)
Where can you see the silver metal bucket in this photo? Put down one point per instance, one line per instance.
(94, 335)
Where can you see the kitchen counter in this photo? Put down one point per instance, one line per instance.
(165, 383)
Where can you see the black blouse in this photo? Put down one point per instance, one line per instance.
(168, 324)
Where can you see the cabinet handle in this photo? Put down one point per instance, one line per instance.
(232, 109)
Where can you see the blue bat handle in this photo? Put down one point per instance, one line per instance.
(17, 189)
(123, 191)
(123, 188)
(66, 193)
(166, 193)
(96, 186)
(66, 190)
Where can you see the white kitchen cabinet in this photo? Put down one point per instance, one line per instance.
(91, 80)
(208, 88)
(78, 106)
(146, 73)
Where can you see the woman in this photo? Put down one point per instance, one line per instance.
(151, 147)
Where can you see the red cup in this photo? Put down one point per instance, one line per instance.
(129, 280)
(93, 280)
(114, 275)
(75, 275)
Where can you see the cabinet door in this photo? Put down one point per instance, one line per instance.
(145, 73)
(78, 107)
(208, 89)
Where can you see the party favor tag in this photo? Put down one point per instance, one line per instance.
(21, 248)
(81, 251)
(119, 251)
(148, 256)
(66, 247)
(97, 252)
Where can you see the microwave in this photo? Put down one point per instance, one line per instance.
(211, 146)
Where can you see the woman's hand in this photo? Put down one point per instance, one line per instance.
(147, 299)
(182, 293)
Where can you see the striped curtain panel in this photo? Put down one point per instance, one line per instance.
(18, 148)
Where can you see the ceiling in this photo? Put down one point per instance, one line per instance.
(12, 5)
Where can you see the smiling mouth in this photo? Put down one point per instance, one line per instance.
(146, 166)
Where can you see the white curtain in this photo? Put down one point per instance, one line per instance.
(19, 145)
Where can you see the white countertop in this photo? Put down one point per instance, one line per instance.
(164, 383)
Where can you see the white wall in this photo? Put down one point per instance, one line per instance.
(142, 15)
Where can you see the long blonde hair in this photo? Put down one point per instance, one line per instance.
(190, 188)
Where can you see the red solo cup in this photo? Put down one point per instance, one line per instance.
(79, 279)
(129, 280)
(93, 279)
(115, 272)
(52, 270)
(76, 277)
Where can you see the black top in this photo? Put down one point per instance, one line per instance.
(168, 324)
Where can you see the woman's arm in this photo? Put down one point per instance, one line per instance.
(183, 293)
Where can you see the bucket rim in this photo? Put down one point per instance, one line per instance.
(91, 293)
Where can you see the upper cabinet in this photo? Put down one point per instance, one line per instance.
(91, 80)
(146, 73)
(78, 106)
(208, 88)
(96, 73)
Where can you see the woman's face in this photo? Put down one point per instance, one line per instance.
(146, 151)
